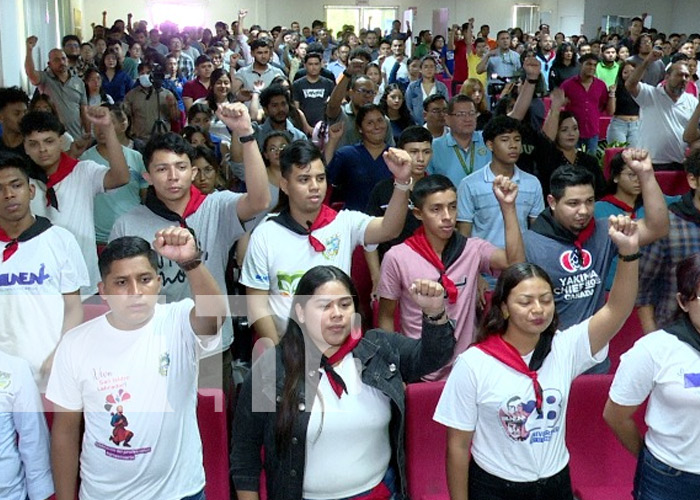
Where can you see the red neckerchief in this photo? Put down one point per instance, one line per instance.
(495, 346)
(156, 205)
(39, 225)
(66, 165)
(325, 216)
(336, 381)
(419, 243)
(610, 198)
(584, 235)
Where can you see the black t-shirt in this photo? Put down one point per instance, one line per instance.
(312, 97)
(378, 201)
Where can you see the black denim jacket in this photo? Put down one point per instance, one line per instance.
(388, 360)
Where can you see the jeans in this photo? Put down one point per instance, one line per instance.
(389, 481)
(485, 486)
(589, 145)
(654, 480)
(623, 131)
(196, 496)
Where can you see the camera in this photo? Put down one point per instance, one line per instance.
(497, 84)
(157, 76)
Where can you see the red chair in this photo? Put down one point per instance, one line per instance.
(211, 416)
(448, 84)
(426, 443)
(92, 311)
(630, 332)
(607, 158)
(601, 468)
(363, 281)
(672, 182)
(547, 104)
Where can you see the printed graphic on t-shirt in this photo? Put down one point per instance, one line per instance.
(314, 93)
(521, 422)
(5, 380)
(24, 279)
(287, 282)
(332, 245)
(581, 285)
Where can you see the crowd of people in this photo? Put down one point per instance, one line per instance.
(194, 164)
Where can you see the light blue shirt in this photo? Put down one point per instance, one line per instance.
(447, 154)
(109, 206)
(477, 204)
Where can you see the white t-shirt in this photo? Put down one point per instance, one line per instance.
(277, 258)
(666, 369)
(32, 284)
(347, 440)
(137, 387)
(76, 200)
(662, 122)
(216, 226)
(26, 466)
(497, 403)
(388, 65)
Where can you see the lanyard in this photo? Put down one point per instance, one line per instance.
(467, 170)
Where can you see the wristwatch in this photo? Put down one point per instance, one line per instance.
(191, 264)
(246, 138)
(437, 317)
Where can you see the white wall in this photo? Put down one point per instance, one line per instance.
(662, 12)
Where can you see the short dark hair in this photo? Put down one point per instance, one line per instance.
(257, 43)
(40, 121)
(12, 95)
(206, 153)
(313, 55)
(202, 59)
(69, 38)
(608, 46)
(315, 47)
(567, 176)
(126, 247)
(428, 185)
(300, 152)
(687, 280)
(10, 159)
(431, 99)
(500, 125)
(360, 52)
(169, 141)
(588, 57)
(692, 163)
(272, 91)
(458, 99)
(197, 108)
(501, 32)
(414, 133)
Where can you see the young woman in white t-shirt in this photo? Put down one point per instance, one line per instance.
(664, 366)
(327, 405)
(505, 417)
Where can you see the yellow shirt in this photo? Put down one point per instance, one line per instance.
(472, 61)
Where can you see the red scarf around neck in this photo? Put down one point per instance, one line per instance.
(325, 216)
(495, 346)
(584, 235)
(336, 381)
(66, 165)
(156, 205)
(613, 200)
(39, 225)
(419, 243)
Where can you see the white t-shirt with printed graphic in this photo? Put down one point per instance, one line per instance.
(497, 403)
(32, 284)
(277, 258)
(76, 211)
(667, 370)
(138, 389)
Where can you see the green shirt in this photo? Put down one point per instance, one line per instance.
(608, 74)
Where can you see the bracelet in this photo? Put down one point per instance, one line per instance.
(191, 264)
(630, 258)
(246, 138)
(534, 82)
(436, 317)
(403, 187)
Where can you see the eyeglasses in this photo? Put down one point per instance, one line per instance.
(72, 45)
(367, 92)
(438, 111)
(464, 114)
(275, 149)
(206, 171)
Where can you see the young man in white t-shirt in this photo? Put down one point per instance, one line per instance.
(439, 252)
(307, 233)
(67, 192)
(133, 374)
(41, 272)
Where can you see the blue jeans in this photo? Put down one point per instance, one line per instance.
(196, 496)
(654, 480)
(591, 144)
(485, 486)
(389, 480)
(623, 131)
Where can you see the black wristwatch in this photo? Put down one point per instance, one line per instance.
(246, 138)
(437, 317)
(534, 82)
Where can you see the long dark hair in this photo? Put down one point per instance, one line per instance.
(495, 323)
(294, 346)
(617, 165)
(217, 75)
(559, 58)
(404, 113)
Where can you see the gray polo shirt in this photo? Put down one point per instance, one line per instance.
(248, 76)
(67, 97)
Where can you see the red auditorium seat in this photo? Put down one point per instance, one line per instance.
(363, 282)
(91, 311)
(630, 332)
(211, 415)
(672, 182)
(448, 84)
(426, 443)
(607, 158)
(603, 124)
(601, 468)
